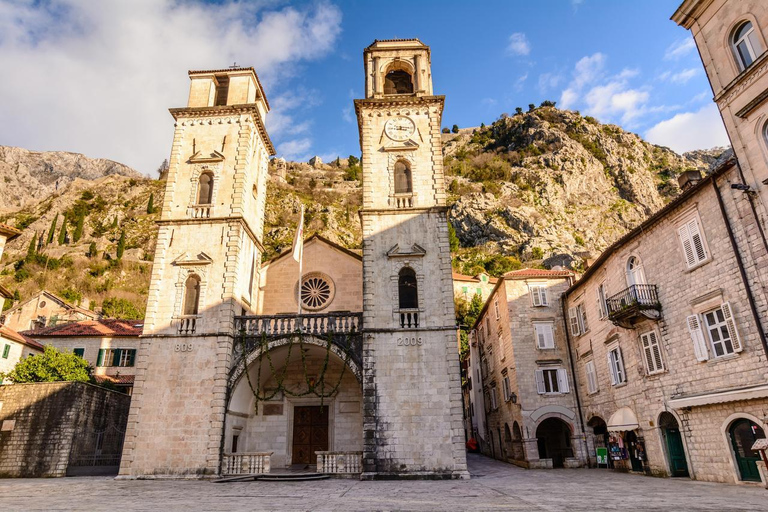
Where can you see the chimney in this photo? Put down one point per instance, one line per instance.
(689, 178)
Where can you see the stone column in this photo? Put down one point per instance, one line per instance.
(417, 74)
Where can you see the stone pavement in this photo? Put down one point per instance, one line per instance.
(494, 486)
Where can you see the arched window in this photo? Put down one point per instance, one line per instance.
(403, 182)
(205, 188)
(407, 289)
(635, 273)
(398, 82)
(746, 45)
(192, 295)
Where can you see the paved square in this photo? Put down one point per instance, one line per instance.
(494, 486)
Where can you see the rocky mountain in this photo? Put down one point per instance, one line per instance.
(543, 187)
(30, 176)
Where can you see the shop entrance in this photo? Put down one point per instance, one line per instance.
(744, 433)
(600, 431)
(310, 433)
(636, 451)
(554, 441)
(678, 465)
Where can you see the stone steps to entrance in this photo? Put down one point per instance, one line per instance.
(274, 477)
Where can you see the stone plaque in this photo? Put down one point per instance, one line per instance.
(349, 407)
(8, 425)
(273, 409)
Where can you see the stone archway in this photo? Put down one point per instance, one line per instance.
(673, 444)
(554, 441)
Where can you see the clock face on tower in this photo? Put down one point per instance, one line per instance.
(399, 128)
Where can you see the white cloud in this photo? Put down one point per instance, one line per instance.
(518, 44)
(613, 100)
(690, 130)
(520, 82)
(98, 77)
(296, 149)
(549, 81)
(568, 98)
(627, 73)
(588, 69)
(684, 76)
(680, 48)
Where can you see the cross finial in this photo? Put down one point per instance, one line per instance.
(234, 65)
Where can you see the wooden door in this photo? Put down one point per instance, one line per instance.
(744, 433)
(677, 462)
(310, 433)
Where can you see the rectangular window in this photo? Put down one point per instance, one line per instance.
(723, 337)
(577, 317)
(551, 381)
(652, 352)
(235, 439)
(79, 352)
(692, 241)
(602, 307)
(488, 325)
(479, 291)
(506, 389)
(494, 399)
(6, 351)
(539, 296)
(496, 307)
(591, 377)
(616, 367)
(583, 318)
(116, 357)
(465, 289)
(545, 338)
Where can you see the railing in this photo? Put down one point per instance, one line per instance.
(254, 463)
(187, 325)
(409, 318)
(643, 295)
(339, 462)
(200, 211)
(402, 200)
(314, 323)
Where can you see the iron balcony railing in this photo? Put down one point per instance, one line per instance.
(635, 298)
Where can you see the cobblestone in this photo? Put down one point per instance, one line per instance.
(494, 486)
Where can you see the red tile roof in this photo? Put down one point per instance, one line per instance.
(9, 231)
(106, 327)
(116, 379)
(526, 273)
(12, 335)
(461, 277)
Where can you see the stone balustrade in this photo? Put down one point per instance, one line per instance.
(407, 200)
(317, 324)
(187, 325)
(339, 462)
(254, 463)
(200, 211)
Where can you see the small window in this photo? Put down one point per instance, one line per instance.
(124, 357)
(592, 387)
(616, 367)
(539, 296)
(506, 389)
(235, 439)
(551, 381)
(205, 188)
(545, 338)
(408, 289)
(577, 317)
(80, 352)
(694, 249)
(403, 180)
(222, 90)
(191, 295)
(602, 306)
(635, 272)
(494, 399)
(746, 45)
(721, 329)
(652, 352)
(6, 351)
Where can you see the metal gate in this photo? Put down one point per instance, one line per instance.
(96, 452)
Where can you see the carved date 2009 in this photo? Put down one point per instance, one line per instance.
(412, 342)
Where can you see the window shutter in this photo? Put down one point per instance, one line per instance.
(583, 313)
(621, 371)
(599, 304)
(731, 324)
(612, 369)
(116, 356)
(685, 239)
(656, 349)
(697, 240)
(550, 336)
(574, 319)
(543, 293)
(535, 299)
(562, 381)
(540, 382)
(540, 340)
(697, 336)
(131, 357)
(100, 360)
(591, 377)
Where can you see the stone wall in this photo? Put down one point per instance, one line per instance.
(40, 422)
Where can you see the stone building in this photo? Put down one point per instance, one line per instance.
(666, 336)
(14, 347)
(109, 345)
(466, 287)
(43, 310)
(347, 364)
(530, 406)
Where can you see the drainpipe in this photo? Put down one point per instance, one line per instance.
(573, 373)
(750, 296)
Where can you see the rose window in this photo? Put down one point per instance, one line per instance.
(316, 291)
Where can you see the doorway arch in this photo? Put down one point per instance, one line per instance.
(553, 437)
(600, 432)
(673, 444)
(742, 434)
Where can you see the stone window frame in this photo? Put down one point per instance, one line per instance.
(316, 274)
(538, 294)
(561, 377)
(194, 180)
(736, 62)
(392, 159)
(551, 324)
(184, 273)
(418, 268)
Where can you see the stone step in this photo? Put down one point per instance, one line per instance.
(287, 477)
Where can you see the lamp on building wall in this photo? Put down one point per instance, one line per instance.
(513, 398)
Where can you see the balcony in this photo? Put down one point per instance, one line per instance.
(636, 303)
(403, 200)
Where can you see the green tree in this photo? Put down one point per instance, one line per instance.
(446, 130)
(466, 316)
(482, 125)
(531, 107)
(63, 232)
(92, 250)
(353, 160)
(114, 222)
(455, 128)
(50, 366)
(151, 204)
(121, 245)
(77, 234)
(518, 110)
(537, 253)
(8, 304)
(114, 307)
(32, 249)
(52, 231)
(452, 238)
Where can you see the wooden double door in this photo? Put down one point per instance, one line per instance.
(310, 433)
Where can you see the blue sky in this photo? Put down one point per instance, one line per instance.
(99, 80)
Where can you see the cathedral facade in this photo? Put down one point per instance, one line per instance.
(346, 362)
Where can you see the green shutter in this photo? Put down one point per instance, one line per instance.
(6, 351)
(479, 291)
(100, 360)
(116, 356)
(465, 289)
(79, 352)
(131, 357)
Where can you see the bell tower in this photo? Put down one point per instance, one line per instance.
(411, 387)
(205, 272)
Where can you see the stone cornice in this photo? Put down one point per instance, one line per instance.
(689, 11)
(224, 111)
(238, 218)
(399, 101)
(403, 211)
(743, 80)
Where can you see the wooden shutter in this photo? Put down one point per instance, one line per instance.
(116, 353)
(573, 316)
(600, 303)
(697, 241)
(100, 360)
(131, 357)
(652, 352)
(535, 299)
(685, 239)
(543, 295)
(583, 317)
(731, 325)
(562, 381)
(697, 336)
(540, 382)
(591, 377)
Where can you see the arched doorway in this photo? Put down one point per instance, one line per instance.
(554, 441)
(673, 441)
(743, 434)
(517, 442)
(600, 432)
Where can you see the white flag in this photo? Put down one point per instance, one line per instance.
(298, 240)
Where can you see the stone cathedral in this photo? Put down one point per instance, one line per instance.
(365, 381)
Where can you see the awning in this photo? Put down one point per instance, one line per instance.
(623, 419)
